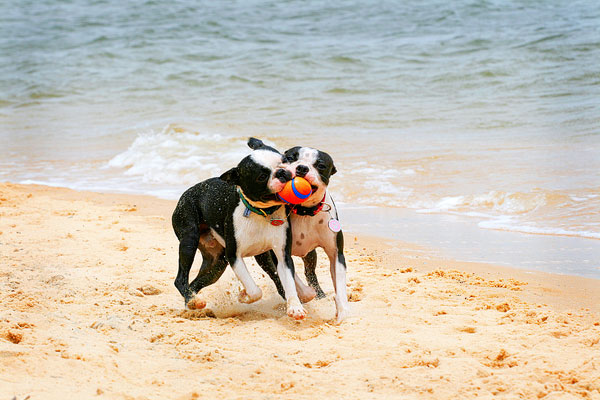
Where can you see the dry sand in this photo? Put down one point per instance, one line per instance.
(88, 310)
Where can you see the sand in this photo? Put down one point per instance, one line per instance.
(88, 310)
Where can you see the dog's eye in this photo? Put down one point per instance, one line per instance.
(262, 177)
(321, 167)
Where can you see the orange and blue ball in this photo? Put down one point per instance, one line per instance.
(295, 191)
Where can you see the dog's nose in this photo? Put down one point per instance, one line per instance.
(283, 175)
(301, 170)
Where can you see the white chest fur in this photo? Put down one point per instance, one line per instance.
(254, 234)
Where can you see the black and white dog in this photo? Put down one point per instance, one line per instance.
(234, 216)
(315, 224)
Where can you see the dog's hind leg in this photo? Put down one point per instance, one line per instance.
(265, 260)
(305, 292)
(188, 244)
(211, 270)
(310, 266)
(338, 276)
(185, 224)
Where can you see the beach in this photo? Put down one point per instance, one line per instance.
(465, 139)
(88, 310)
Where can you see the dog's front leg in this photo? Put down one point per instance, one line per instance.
(251, 292)
(285, 270)
(233, 253)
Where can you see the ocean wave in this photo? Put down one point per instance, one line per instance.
(178, 155)
(502, 202)
(542, 212)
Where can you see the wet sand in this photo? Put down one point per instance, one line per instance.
(88, 310)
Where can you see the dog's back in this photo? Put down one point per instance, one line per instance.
(204, 206)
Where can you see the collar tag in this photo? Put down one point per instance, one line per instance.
(247, 212)
(335, 225)
(277, 221)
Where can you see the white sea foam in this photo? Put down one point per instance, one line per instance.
(378, 173)
(386, 188)
(496, 201)
(44, 183)
(537, 212)
(578, 199)
(178, 156)
(445, 204)
(510, 224)
(166, 162)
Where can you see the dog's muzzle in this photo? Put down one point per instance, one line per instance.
(283, 175)
(301, 170)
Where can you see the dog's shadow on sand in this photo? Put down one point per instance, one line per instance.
(262, 312)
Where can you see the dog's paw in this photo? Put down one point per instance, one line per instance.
(244, 297)
(195, 304)
(341, 314)
(295, 310)
(297, 313)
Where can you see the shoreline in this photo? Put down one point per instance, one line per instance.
(554, 283)
(451, 235)
(89, 309)
(460, 238)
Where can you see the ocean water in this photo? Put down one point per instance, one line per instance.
(488, 110)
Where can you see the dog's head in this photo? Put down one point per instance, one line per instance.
(260, 175)
(313, 165)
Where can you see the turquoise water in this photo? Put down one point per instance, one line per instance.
(484, 109)
(432, 67)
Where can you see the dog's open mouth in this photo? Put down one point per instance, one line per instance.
(270, 197)
(314, 188)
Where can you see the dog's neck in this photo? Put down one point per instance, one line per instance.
(315, 199)
(311, 207)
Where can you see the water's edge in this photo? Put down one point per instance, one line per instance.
(460, 238)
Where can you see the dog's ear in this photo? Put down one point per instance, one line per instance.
(333, 169)
(291, 155)
(232, 176)
(255, 143)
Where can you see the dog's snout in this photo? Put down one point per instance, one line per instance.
(301, 170)
(283, 175)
